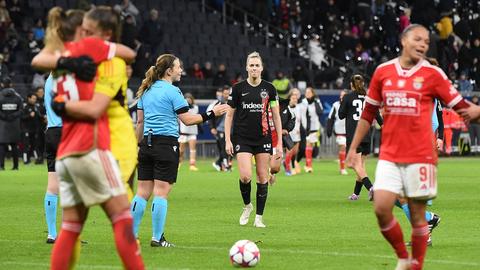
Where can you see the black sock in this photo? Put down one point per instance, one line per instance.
(245, 189)
(358, 187)
(262, 192)
(366, 182)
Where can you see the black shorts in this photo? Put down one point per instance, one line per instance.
(253, 148)
(52, 139)
(363, 148)
(160, 160)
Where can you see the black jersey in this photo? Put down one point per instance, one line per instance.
(351, 109)
(250, 122)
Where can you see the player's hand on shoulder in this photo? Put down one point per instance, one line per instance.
(83, 67)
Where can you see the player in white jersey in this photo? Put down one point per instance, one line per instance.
(188, 134)
(337, 125)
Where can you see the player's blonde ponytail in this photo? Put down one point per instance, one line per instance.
(154, 73)
(53, 35)
(62, 27)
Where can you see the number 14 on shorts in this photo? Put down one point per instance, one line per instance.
(422, 180)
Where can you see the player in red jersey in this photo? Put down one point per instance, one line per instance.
(406, 87)
(88, 172)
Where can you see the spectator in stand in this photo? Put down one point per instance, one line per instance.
(151, 32)
(283, 14)
(129, 31)
(207, 70)
(38, 79)
(238, 78)
(15, 10)
(282, 85)
(445, 26)
(465, 87)
(300, 75)
(221, 77)
(33, 45)
(465, 58)
(126, 8)
(38, 30)
(404, 18)
(367, 40)
(196, 72)
(30, 121)
(4, 14)
(10, 113)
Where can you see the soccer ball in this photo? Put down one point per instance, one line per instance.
(244, 253)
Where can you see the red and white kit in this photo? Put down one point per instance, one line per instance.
(408, 152)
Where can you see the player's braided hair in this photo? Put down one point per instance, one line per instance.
(410, 28)
(62, 26)
(154, 73)
(358, 84)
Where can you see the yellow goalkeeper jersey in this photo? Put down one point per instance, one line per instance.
(112, 81)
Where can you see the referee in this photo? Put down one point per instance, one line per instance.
(160, 106)
(52, 139)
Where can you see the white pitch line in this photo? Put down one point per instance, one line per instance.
(296, 251)
(81, 266)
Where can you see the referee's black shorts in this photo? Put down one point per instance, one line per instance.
(159, 160)
(52, 139)
(363, 148)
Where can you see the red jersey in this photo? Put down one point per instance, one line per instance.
(82, 136)
(272, 128)
(407, 97)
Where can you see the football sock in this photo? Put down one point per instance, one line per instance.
(262, 192)
(245, 189)
(366, 182)
(63, 248)
(341, 157)
(419, 245)
(193, 154)
(137, 208)
(308, 155)
(394, 235)
(159, 216)
(125, 241)
(358, 187)
(50, 203)
(406, 210)
(288, 160)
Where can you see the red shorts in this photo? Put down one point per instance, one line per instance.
(274, 138)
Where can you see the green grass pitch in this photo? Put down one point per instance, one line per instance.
(310, 222)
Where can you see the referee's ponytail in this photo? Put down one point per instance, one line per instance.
(154, 73)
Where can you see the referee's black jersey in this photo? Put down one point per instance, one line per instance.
(351, 109)
(251, 119)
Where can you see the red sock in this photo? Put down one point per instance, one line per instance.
(394, 235)
(125, 241)
(63, 249)
(288, 162)
(308, 155)
(341, 157)
(419, 245)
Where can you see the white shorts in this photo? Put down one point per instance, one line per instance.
(295, 135)
(415, 180)
(341, 140)
(89, 179)
(312, 137)
(186, 138)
